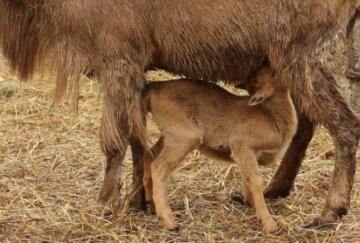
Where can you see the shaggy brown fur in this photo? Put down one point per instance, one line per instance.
(203, 116)
(119, 39)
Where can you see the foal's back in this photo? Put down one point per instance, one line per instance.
(208, 114)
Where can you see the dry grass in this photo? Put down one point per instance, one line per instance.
(51, 171)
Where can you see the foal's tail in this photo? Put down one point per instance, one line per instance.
(148, 94)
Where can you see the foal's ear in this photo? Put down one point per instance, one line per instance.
(257, 98)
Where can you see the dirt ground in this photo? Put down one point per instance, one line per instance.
(52, 168)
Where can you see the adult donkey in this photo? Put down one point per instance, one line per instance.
(120, 39)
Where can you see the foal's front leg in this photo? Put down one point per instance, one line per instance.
(169, 158)
(251, 176)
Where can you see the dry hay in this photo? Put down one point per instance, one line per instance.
(51, 171)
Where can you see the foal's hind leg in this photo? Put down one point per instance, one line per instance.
(169, 158)
(248, 198)
(150, 156)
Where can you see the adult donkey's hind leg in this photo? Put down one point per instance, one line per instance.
(122, 120)
(138, 150)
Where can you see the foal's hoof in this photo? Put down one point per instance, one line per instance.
(151, 206)
(175, 227)
(169, 224)
(240, 199)
(271, 228)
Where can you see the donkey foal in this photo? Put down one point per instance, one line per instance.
(241, 129)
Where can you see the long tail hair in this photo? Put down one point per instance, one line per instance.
(30, 44)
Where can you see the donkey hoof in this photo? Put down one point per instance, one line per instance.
(317, 224)
(275, 192)
(327, 219)
(109, 202)
(138, 202)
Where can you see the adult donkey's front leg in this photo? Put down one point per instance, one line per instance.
(283, 180)
(320, 99)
